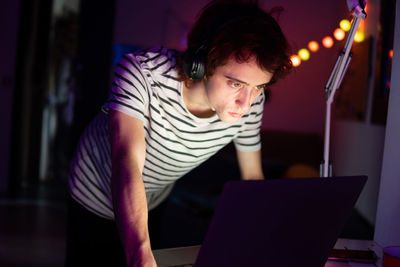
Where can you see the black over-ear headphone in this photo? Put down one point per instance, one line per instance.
(194, 59)
(194, 63)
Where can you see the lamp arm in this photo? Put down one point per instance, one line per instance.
(333, 84)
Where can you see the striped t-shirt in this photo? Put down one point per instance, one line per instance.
(146, 86)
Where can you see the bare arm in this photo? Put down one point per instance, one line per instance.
(250, 165)
(129, 197)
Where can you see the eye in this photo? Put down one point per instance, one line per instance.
(235, 85)
(261, 87)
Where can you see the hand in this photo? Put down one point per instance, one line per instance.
(143, 258)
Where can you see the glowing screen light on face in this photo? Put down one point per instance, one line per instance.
(339, 34)
(304, 54)
(359, 37)
(313, 46)
(345, 25)
(327, 42)
(295, 60)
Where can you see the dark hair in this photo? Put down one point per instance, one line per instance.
(239, 28)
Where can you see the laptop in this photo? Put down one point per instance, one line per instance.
(279, 223)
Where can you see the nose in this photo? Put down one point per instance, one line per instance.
(243, 100)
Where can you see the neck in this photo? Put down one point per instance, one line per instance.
(196, 100)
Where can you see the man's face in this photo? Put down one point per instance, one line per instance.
(233, 88)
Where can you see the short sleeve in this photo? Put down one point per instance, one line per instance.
(130, 89)
(249, 139)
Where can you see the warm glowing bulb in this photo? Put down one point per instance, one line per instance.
(361, 26)
(295, 60)
(391, 53)
(339, 34)
(359, 37)
(304, 54)
(345, 25)
(313, 46)
(327, 42)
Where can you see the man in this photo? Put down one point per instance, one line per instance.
(166, 114)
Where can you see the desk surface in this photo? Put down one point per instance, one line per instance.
(188, 255)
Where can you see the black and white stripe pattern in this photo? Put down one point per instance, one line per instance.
(146, 86)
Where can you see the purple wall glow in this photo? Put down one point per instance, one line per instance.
(298, 103)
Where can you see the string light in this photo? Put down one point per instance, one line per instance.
(296, 61)
(345, 25)
(361, 26)
(313, 46)
(304, 54)
(327, 42)
(391, 53)
(359, 37)
(339, 34)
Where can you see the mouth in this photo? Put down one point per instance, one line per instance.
(235, 115)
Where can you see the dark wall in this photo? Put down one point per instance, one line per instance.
(91, 70)
(31, 83)
(94, 61)
(8, 32)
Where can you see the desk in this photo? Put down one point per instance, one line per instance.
(357, 244)
(188, 255)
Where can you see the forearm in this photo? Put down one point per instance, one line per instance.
(250, 164)
(129, 196)
(131, 214)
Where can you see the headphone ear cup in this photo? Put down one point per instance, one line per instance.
(193, 65)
